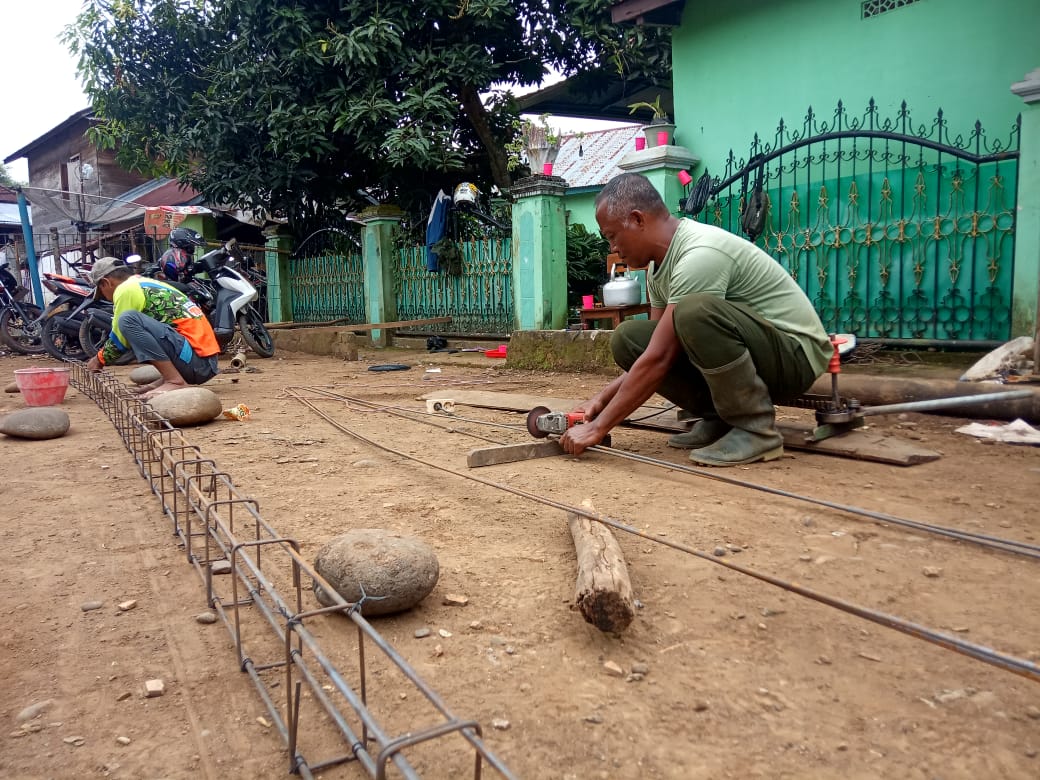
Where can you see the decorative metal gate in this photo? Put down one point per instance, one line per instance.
(895, 231)
(479, 298)
(327, 278)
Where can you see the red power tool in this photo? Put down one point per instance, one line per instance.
(541, 422)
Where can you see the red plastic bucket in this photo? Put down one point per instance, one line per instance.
(42, 386)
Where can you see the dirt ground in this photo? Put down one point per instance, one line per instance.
(742, 679)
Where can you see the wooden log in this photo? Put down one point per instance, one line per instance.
(603, 592)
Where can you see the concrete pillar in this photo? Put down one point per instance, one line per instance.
(661, 165)
(539, 249)
(1027, 220)
(276, 262)
(379, 257)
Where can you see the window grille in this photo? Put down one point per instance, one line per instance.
(871, 8)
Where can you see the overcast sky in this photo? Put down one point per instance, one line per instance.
(41, 89)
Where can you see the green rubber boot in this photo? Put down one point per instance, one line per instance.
(703, 432)
(742, 400)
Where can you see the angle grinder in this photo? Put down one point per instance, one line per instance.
(541, 421)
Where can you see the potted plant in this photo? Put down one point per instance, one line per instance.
(539, 142)
(659, 122)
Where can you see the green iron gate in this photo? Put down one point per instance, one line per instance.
(476, 291)
(327, 278)
(894, 231)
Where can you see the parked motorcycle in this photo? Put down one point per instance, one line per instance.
(59, 330)
(19, 321)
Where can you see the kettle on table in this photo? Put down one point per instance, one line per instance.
(621, 290)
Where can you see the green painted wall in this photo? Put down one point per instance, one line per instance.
(741, 65)
(581, 208)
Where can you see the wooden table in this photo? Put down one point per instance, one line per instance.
(614, 313)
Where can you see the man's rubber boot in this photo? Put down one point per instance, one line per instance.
(702, 433)
(741, 399)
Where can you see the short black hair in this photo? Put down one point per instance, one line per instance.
(120, 272)
(631, 192)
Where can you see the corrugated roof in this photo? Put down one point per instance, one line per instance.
(590, 159)
(161, 192)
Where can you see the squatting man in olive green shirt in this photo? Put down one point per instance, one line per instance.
(729, 333)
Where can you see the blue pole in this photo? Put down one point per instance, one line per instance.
(30, 248)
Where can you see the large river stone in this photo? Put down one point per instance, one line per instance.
(401, 570)
(187, 406)
(36, 422)
(143, 375)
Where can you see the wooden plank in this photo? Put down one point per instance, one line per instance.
(510, 453)
(858, 444)
(353, 326)
(603, 590)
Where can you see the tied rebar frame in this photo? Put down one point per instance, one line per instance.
(242, 569)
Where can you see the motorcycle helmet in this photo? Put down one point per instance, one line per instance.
(133, 260)
(465, 195)
(186, 239)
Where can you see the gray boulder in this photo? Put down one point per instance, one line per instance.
(142, 375)
(36, 422)
(396, 571)
(187, 406)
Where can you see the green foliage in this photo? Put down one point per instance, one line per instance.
(586, 262)
(7, 179)
(654, 108)
(288, 108)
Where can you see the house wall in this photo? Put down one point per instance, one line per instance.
(740, 66)
(45, 164)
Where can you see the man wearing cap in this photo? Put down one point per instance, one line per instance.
(162, 326)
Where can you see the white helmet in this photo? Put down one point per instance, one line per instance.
(465, 195)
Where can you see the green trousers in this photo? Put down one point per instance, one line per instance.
(714, 332)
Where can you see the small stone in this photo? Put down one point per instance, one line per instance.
(762, 626)
(734, 548)
(719, 551)
(438, 651)
(143, 375)
(805, 558)
(593, 718)
(1030, 752)
(421, 633)
(123, 740)
(613, 669)
(206, 618)
(455, 600)
(824, 660)
(124, 696)
(87, 606)
(640, 668)
(1033, 712)
(264, 722)
(19, 733)
(33, 727)
(219, 567)
(126, 606)
(500, 723)
(700, 705)
(633, 677)
(153, 688)
(12, 388)
(444, 633)
(931, 571)
(510, 650)
(34, 710)
(843, 746)
(476, 625)
(77, 741)
(365, 463)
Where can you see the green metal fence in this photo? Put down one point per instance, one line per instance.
(328, 286)
(479, 299)
(894, 230)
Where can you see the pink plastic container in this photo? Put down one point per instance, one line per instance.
(42, 386)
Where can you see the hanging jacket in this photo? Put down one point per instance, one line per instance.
(436, 225)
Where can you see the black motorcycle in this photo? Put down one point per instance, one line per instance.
(19, 321)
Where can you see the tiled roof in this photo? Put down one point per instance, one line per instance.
(590, 159)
